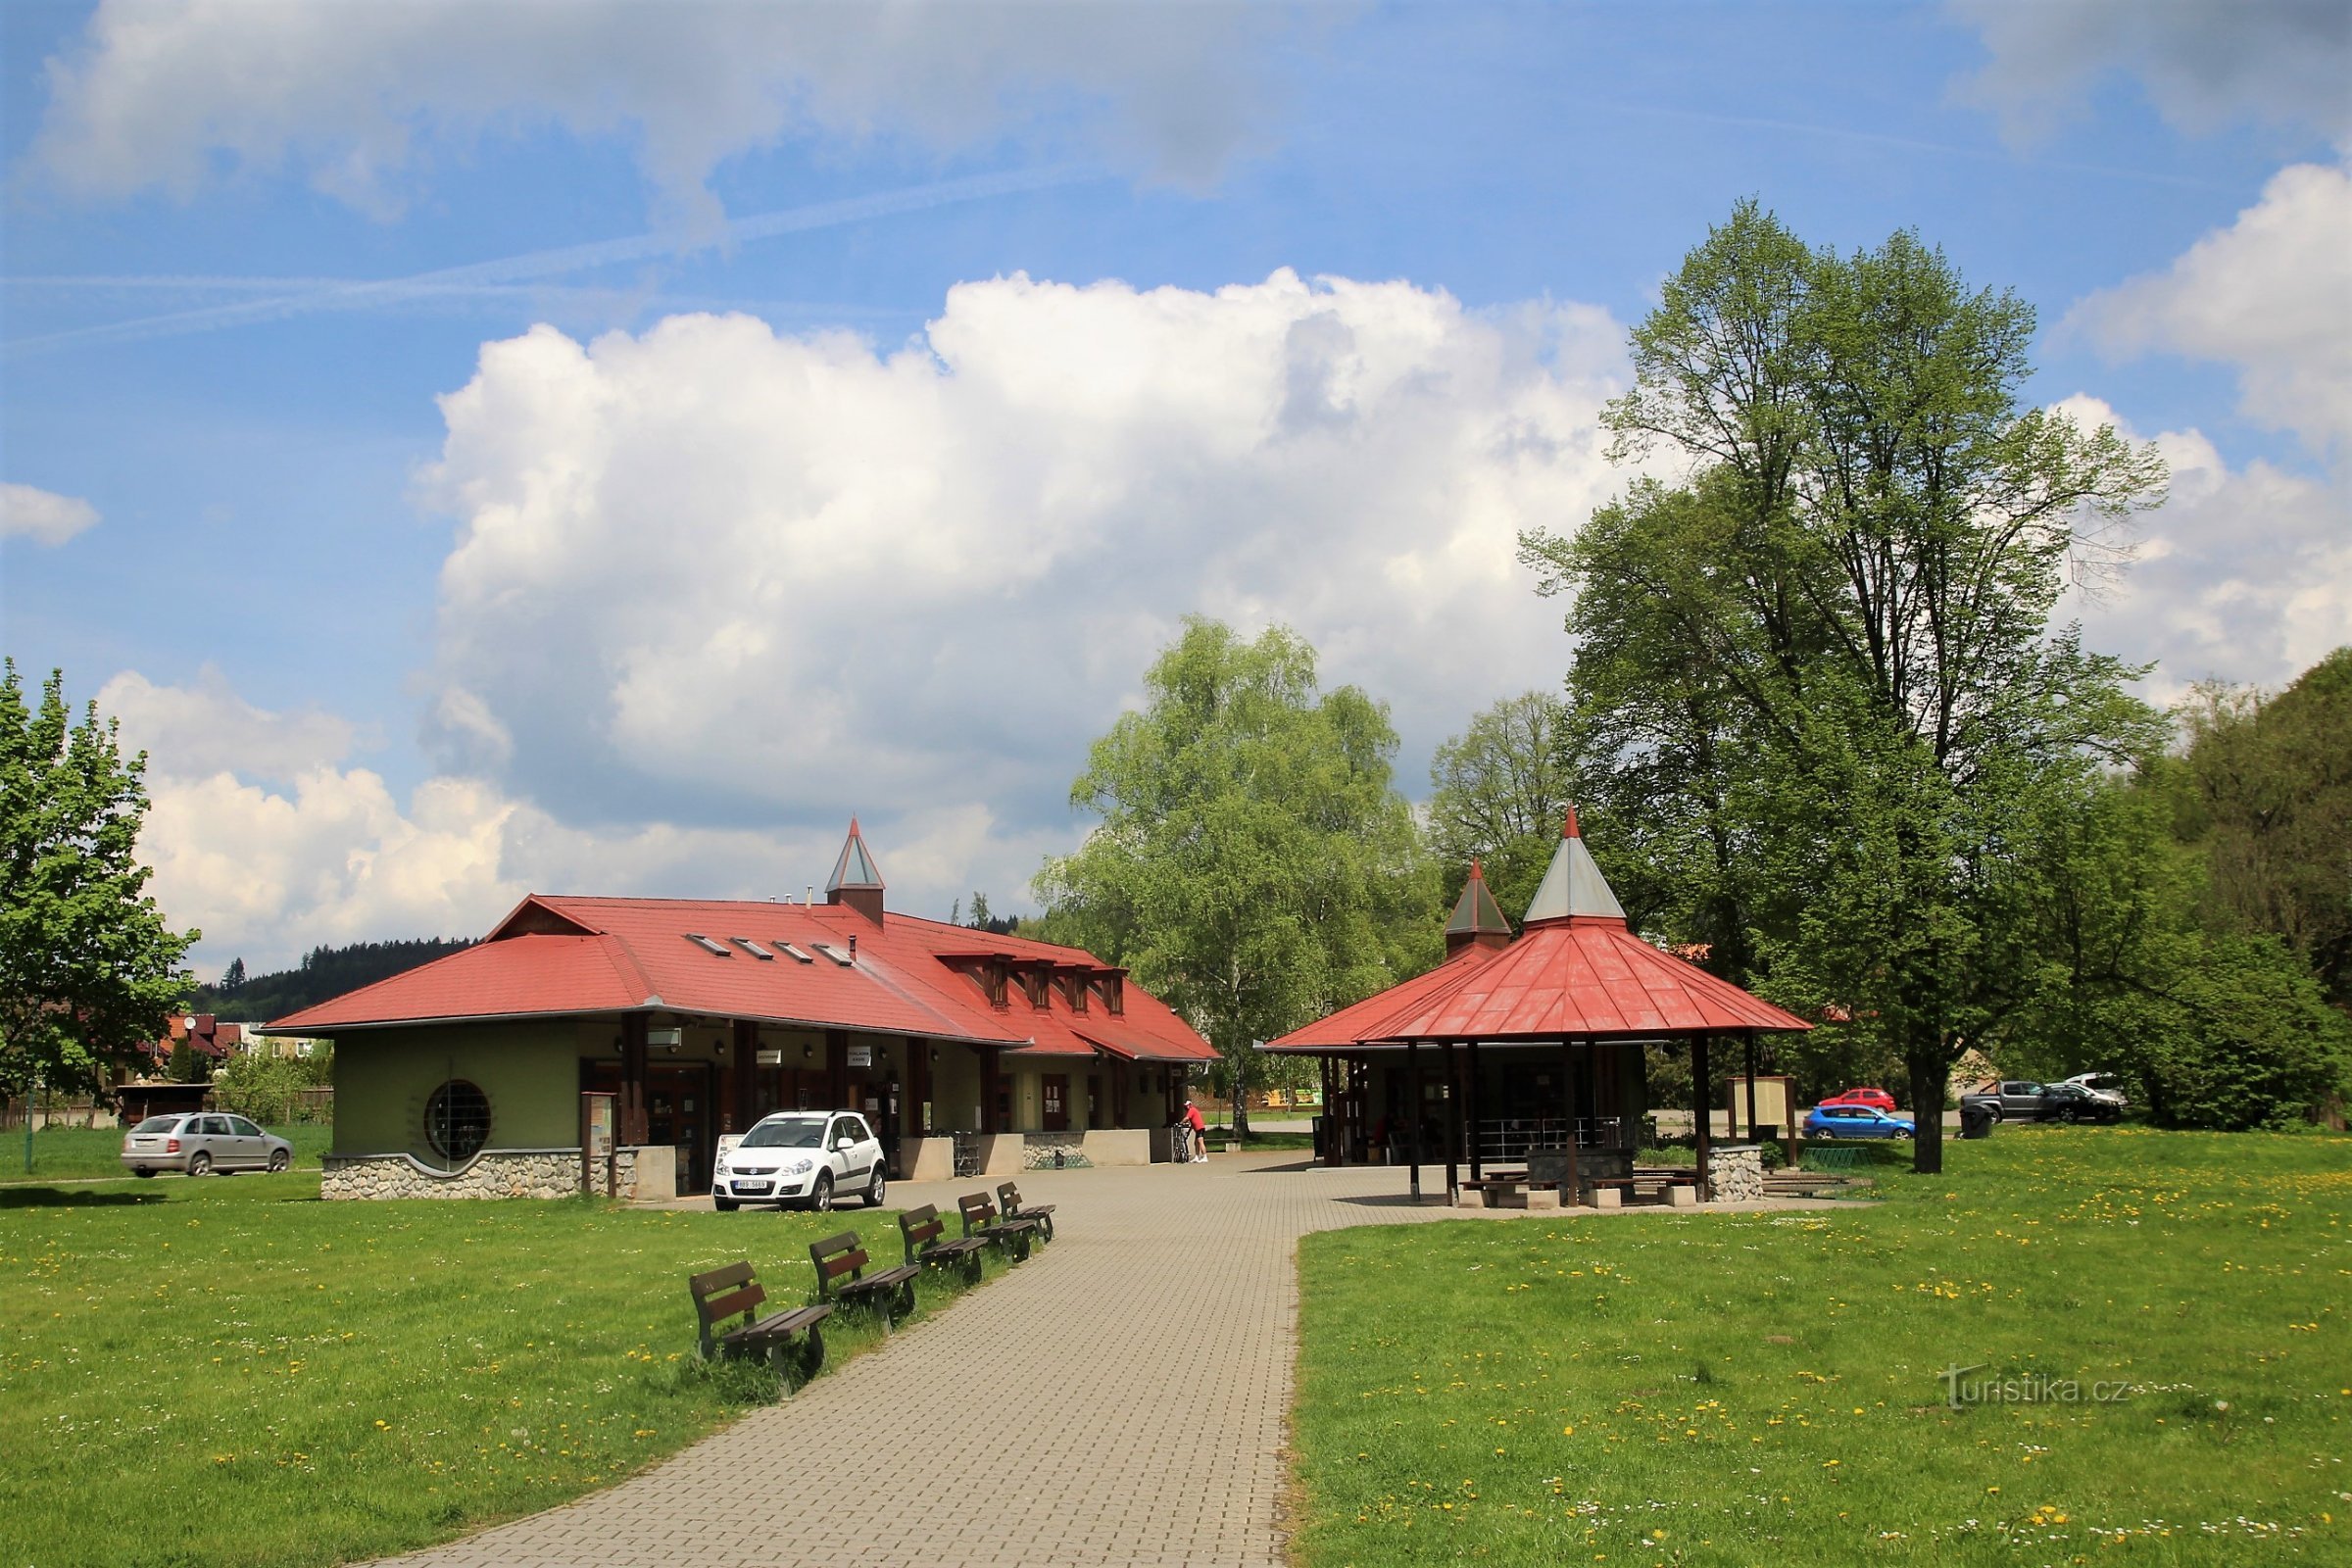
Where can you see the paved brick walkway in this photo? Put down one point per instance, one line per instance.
(1120, 1398)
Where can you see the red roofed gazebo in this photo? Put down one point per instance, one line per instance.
(1562, 1013)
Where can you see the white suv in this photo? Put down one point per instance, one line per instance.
(806, 1157)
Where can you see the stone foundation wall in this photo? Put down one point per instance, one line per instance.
(1053, 1151)
(1737, 1171)
(493, 1173)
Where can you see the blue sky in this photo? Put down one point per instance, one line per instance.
(486, 448)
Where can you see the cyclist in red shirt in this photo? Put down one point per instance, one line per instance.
(1199, 1140)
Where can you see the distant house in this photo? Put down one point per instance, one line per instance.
(212, 1041)
(463, 1077)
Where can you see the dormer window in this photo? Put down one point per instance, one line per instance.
(794, 953)
(707, 945)
(753, 948)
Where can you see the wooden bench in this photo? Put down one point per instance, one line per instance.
(1010, 1207)
(842, 1279)
(982, 1222)
(731, 1291)
(924, 1229)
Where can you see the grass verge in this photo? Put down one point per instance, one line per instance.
(233, 1372)
(80, 1154)
(1740, 1388)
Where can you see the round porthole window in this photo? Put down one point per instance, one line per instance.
(457, 1120)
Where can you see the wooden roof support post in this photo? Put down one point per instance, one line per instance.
(1412, 1111)
(1571, 1191)
(1749, 1040)
(1470, 1110)
(632, 1118)
(740, 1104)
(1702, 1101)
(1453, 1129)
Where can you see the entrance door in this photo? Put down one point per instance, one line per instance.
(1055, 1087)
(681, 1110)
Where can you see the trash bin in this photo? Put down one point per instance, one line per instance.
(1976, 1121)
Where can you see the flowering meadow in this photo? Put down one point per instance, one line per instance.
(228, 1371)
(2149, 1334)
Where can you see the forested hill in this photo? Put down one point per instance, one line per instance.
(324, 972)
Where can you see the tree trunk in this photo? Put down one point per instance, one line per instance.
(1931, 1067)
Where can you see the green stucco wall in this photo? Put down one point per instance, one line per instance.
(530, 1072)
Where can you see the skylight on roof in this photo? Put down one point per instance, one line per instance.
(708, 946)
(753, 948)
(792, 952)
(836, 954)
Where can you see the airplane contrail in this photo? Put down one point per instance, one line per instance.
(343, 295)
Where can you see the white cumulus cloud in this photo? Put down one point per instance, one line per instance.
(2203, 65)
(361, 97)
(204, 728)
(2243, 574)
(2270, 294)
(712, 572)
(42, 515)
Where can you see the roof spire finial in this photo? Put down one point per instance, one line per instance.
(1568, 828)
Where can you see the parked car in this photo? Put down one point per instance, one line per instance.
(1856, 1121)
(800, 1159)
(2015, 1100)
(2105, 1085)
(2071, 1103)
(202, 1141)
(1875, 1098)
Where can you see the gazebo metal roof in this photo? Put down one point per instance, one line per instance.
(1577, 971)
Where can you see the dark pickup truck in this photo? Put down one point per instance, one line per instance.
(2015, 1100)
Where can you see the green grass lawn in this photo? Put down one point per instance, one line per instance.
(77, 1153)
(235, 1372)
(1742, 1388)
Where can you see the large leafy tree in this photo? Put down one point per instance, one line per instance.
(88, 968)
(1827, 656)
(1255, 865)
(2265, 786)
(1499, 790)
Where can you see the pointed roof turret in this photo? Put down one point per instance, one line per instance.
(1573, 887)
(856, 880)
(1477, 919)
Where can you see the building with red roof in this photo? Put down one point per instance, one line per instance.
(466, 1075)
(1528, 1049)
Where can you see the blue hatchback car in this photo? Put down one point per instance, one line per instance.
(1856, 1121)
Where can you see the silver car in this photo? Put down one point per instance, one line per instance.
(202, 1141)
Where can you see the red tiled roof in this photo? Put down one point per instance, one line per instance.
(557, 955)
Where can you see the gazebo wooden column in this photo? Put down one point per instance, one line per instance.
(1749, 1039)
(1572, 1191)
(1699, 1098)
(1453, 1129)
(1412, 1108)
(1470, 1108)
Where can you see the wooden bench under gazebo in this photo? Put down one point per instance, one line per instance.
(1526, 1052)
